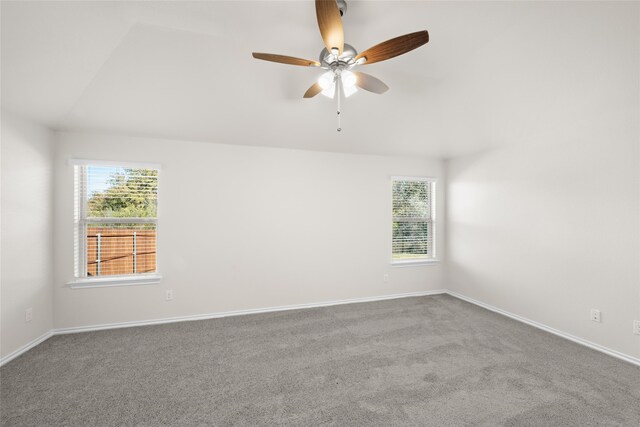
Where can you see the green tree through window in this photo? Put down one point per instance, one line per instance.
(130, 193)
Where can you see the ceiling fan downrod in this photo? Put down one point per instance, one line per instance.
(342, 6)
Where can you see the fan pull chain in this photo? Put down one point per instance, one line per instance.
(339, 93)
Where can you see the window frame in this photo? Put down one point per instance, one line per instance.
(431, 259)
(80, 222)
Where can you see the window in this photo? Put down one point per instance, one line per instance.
(115, 222)
(413, 220)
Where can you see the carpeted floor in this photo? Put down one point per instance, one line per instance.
(431, 360)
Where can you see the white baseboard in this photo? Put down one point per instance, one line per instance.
(9, 357)
(240, 312)
(549, 329)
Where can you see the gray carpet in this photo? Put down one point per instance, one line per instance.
(417, 361)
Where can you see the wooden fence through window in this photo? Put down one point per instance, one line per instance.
(112, 251)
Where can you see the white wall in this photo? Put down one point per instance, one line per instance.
(549, 231)
(26, 217)
(548, 226)
(246, 227)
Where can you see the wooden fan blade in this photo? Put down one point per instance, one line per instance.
(313, 90)
(394, 47)
(290, 60)
(330, 23)
(370, 83)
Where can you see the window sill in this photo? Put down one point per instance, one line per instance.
(415, 263)
(151, 279)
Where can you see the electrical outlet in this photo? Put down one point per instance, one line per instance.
(385, 278)
(28, 314)
(595, 315)
(636, 327)
(168, 296)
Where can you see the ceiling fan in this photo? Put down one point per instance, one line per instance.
(339, 58)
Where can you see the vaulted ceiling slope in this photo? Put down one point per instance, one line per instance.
(492, 73)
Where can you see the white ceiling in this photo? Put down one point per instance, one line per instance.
(493, 73)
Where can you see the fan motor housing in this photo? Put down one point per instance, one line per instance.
(348, 57)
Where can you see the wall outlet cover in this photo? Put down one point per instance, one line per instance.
(595, 315)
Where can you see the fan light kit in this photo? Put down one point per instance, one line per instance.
(339, 58)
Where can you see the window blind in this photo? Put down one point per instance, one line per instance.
(115, 220)
(413, 222)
